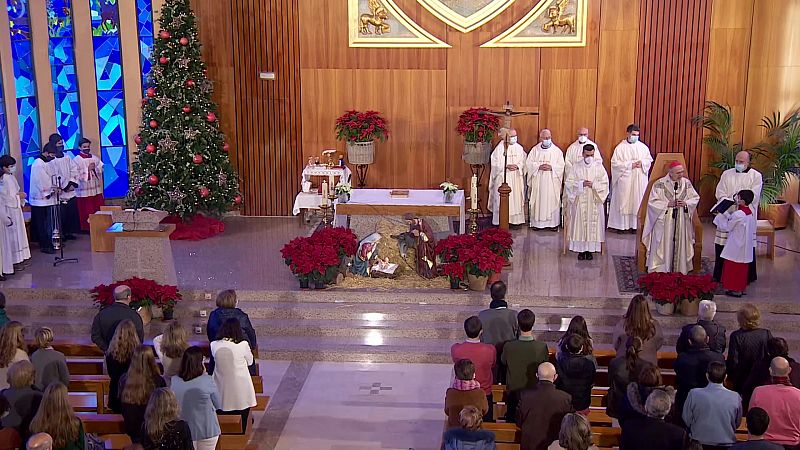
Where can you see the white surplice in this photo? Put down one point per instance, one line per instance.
(660, 227)
(585, 215)
(16, 235)
(544, 186)
(628, 184)
(741, 231)
(730, 183)
(574, 154)
(90, 181)
(66, 169)
(515, 180)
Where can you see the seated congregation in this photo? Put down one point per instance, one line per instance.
(511, 392)
(169, 394)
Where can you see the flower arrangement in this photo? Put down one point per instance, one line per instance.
(498, 241)
(476, 125)
(451, 248)
(454, 271)
(343, 240)
(449, 188)
(343, 188)
(671, 287)
(317, 258)
(481, 262)
(355, 126)
(143, 293)
(463, 254)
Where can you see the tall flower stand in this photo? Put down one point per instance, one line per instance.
(477, 155)
(362, 154)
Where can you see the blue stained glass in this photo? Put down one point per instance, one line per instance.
(111, 105)
(115, 171)
(144, 9)
(145, 50)
(59, 18)
(4, 148)
(18, 21)
(108, 66)
(68, 110)
(24, 76)
(28, 112)
(105, 17)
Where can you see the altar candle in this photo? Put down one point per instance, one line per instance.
(324, 193)
(331, 181)
(474, 192)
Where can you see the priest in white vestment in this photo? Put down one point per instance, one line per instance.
(630, 166)
(545, 168)
(740, 177)
(513, 167)
(12, 201)
(575, 150)
(587, 190)
(668, 233)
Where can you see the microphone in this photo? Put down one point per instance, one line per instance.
(675, 210)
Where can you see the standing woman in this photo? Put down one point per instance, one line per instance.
(198, 399)
(135, 387)
(170, 347)
(227, 308)
(577, 326)
(638, 322)
(13, 200)
(12, 349)
(622, 371)
(162, 429)
(233, 355)
(57, 418)
(747, 346)
(118, 359)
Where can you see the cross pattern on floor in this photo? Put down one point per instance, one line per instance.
(375, 388)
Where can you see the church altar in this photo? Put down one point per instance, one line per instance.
(311, 199)
(424, 203)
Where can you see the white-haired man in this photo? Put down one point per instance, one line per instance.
(651, 431)
(706, 312)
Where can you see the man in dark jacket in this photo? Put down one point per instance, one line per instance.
(652, 432)
(541, 409)
(106, 321)
(690, 367)
(705, 318)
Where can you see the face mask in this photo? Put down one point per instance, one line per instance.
(546, 143)
(512, 140)
(582, 139)
(12, 169)
(47, 158)
(589, 160)
(86, 151)
(740, 168)
(633, 139)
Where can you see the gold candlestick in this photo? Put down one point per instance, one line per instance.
(473, 220)
(325, 221)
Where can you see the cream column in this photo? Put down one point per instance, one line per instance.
(10, 97)
(85, 72)
(157, 5)
(132, 72)
(40, 41)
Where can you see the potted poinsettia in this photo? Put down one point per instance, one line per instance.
(500, 242)
(311, 262)
(480, 263)
(448, 190)
(455, 272)
(144, 294)
(478, 126)
(671, 290)
(360, 130)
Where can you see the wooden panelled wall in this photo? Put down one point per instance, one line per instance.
(641, 56)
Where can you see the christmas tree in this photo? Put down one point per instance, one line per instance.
(182, 159)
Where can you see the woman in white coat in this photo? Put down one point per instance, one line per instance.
(232, 355)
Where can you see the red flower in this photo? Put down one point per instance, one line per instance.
(454, 271)
(498, 241)
(476, 125)
(354, 126)
(143, 292)
(670, 287)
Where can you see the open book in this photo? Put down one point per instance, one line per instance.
(722, 206)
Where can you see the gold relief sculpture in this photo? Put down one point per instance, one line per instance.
(377, 18)
(559, 19)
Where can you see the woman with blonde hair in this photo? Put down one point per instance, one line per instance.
(469, 435)
(12, 349)
(50, 364)
(747, 346)
(118, 358)
(638, 322)
(135, 387)
(23, 397)
(57, 418)
(575, 434)
(169, 347)
(162, 428)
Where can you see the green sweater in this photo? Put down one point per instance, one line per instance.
(522, 358)
(3, 317)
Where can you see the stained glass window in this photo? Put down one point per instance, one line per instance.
(144, 10)
(4, 148)
(62, 64)
(110, 95)
(24, 82)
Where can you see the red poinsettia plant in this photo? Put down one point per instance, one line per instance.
(342, 239)
(454, 271)
(310, 259)
(498, 241)
(143, 293)
(451, 248)
(480, 261)
(355, 126)
(477, 125)
(671, 287)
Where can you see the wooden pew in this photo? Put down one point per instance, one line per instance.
(507, 435)
(95, 366)
(87, 348)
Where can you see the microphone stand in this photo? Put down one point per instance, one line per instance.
(57, 239)
(674, 227)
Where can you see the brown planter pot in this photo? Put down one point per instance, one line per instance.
(777, 214)
(477, 283)
(689, 307)
(146, 313)
(477, 153)
(665, 309)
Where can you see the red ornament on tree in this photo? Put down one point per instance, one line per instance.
(144, 101)
(184, 41)
(163, 60)
(153, 124)
(225, 147)
(137, 139)
(190, 82)
(150, 148)
(187, 109)
(153, 180)
(164, 34)
(237, 200)
(197, 159)
(211, 117)
(151, 92)
(138, 191)
(205, 72)
(204, 192)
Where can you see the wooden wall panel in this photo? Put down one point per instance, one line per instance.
(672, 74)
